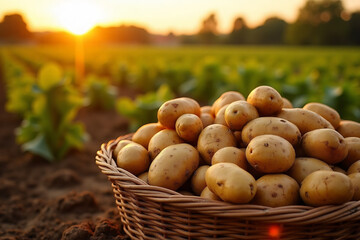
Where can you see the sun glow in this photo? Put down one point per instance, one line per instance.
(77, 16)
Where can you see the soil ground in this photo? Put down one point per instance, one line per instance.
(69, 199)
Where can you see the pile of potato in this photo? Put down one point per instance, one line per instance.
(257, 150)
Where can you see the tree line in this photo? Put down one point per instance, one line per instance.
(319, 22)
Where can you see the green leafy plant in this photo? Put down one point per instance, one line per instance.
(48, 129)
(144, 108)
(99, 92)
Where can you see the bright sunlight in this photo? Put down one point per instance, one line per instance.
(77, 17)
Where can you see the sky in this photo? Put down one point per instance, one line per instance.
(158, 16)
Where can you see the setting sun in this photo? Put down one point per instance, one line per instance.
(77, 17)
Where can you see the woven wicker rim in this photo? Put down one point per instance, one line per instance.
(295, 214)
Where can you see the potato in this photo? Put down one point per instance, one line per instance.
(271, 125)
(349, 128)
(270, 154)
(240, 143)
(326, 112)
(146, 132)
(353, 144)
(120, 145)
(144, 177)
(354, 168)
(276, 190)
(188, 127)
(231, 183)
(338, 169)
(266, 100)
(206, 119)
(230, 154)
(213, 138)
(171, 110)
(133, 158)
(305, 120)
(325, 144)
(303, 166)
(206, 109)
(355, 180)
(326, 188)
(220, 116)
(173, 166)
(224, 99)
(206, 193)
(198, 180)
(161, 140)
(287, 103)
(238, 113)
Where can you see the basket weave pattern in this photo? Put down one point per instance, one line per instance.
(151, 212)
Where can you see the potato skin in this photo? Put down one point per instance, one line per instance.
(325, 188)
(303, 166)
(212, 138)
(305, 120)
(144, 176)
(287, 103)
(353, 144)
(271, 125)
(230, 154)
(173, 166)
(188, 127)
(325, 144)
(206, 109)
(224, 99)
(208, 194)
(330, 114)
(354, 168)
(120, 145)
(355, 180)
(161, 140)
(220, 116)
(146, 132)
(238, 113)
(276, 190)
(198, 179)
(171, 110)
(231, 183)
(266, 99)
(133, 158)
(349, 128)
(206, 119)
(270, 154)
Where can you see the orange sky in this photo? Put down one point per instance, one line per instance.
(158, 16)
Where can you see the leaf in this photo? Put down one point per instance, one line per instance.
(40, 147)
(49, 76)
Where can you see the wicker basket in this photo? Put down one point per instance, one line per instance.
(150, 212)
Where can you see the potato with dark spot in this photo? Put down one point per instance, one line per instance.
(224, 99)
(349, 128)
(271, 125)
(198, 180)
(353, 144)
(266, 99)
(276, 190)
(133, 158)
(188, 127)
(326, 188)
(303, 166)
(206, 193)
(212, 138)
(354, 168)
(305, 120)
(161, 140)
(325, 144)
(238, 113)
(355, 180)
(120, 145)
(270, 154)
(231, 183)
(173, 166)
(232, 155)
(171, 110)
(325, 111)
(146, 132)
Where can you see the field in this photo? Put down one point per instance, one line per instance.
(63, 114)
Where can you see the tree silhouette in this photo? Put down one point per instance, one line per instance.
(208, 32)
(13, 28)
(354, 28)
(239, 32)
